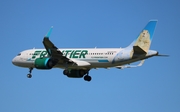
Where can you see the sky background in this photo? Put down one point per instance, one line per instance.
(154, 87)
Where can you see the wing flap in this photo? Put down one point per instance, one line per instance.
(80, 63)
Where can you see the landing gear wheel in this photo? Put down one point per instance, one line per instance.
(66, 72)
(29, 75)
(87, 78)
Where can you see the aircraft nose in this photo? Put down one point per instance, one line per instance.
(14, 60)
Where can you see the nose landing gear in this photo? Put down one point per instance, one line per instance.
(30, 71)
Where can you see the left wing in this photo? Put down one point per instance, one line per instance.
(57, 55)
(52, 50)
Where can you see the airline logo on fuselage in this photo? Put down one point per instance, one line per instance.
(75, 53)
(67, 53)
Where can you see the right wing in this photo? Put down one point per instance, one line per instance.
(131, 66)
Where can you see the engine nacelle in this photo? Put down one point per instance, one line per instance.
(75, 73)
(43, 63)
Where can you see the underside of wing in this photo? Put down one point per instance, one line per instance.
(52, 50)
(131, 66)
(57, 55)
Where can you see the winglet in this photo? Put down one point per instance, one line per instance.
(49, 32)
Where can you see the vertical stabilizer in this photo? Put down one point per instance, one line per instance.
(142, 44)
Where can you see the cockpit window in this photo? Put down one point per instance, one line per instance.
(19, 54)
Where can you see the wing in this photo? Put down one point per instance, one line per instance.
(57, 55)
(52, 50)
(131, 66)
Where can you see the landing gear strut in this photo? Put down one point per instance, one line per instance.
(30, 71)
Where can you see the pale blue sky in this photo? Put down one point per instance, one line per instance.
(154, 87)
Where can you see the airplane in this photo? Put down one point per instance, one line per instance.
(77, 62)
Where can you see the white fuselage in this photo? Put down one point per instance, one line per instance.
(97, 57)
(77, 62)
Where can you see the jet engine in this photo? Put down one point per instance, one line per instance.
(44, 63)
(73, 73)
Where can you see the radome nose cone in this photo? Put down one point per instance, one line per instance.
(14, 61)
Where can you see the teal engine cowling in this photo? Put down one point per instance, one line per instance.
(43, 63)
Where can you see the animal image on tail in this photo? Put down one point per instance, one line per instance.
(143, 41)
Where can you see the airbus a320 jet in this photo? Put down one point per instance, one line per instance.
(77, 62)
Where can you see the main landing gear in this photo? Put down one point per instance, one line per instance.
(85, 73)
(87, 78)
(30, 71)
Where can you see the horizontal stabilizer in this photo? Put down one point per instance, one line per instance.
(138, 50)
(164, 55)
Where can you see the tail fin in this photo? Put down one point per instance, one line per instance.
(142, 44)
